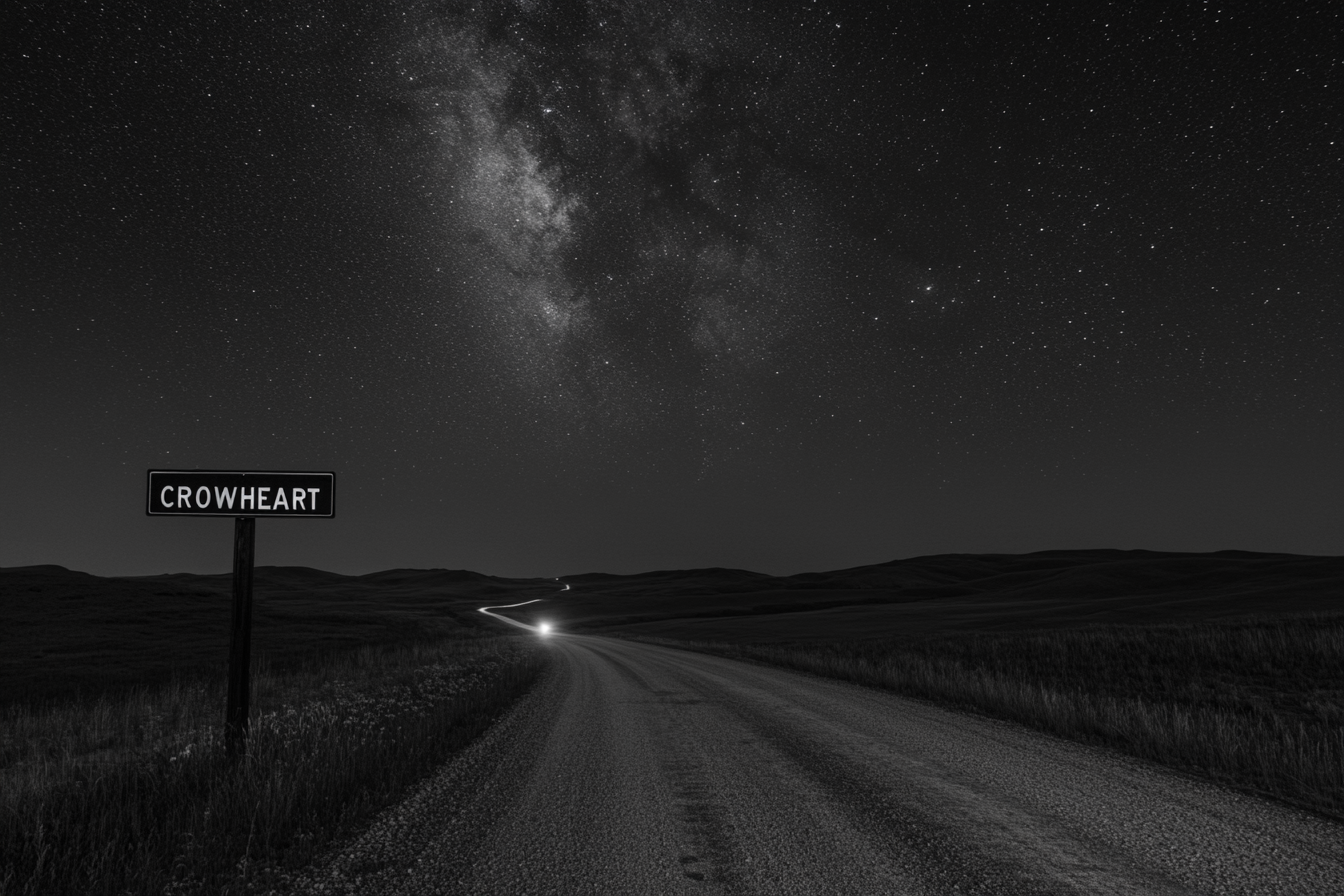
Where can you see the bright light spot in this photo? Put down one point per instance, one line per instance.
(544, 629)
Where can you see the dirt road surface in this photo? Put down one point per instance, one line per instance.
(635, 769)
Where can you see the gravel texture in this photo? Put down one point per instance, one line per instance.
(635, 769)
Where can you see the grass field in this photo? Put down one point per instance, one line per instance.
(112, 778)
(128, 792)
(1257, 704)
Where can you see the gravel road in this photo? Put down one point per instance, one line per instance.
(634, 769)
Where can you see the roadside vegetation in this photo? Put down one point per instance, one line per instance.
(130, 792)
(1257, 704)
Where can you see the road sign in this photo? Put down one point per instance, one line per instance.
(240, 493)
(243, 495)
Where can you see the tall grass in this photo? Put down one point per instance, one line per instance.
(131, 793)
(1256, 704)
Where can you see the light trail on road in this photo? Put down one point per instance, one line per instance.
(543, 629)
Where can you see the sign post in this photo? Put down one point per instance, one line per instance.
(240, 639)
(243, 495)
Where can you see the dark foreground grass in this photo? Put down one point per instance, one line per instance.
(1256, 704)
(130, 793)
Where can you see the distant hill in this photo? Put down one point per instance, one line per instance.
(950, 592)
(62, 630)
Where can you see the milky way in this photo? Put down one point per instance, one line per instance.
(622, 200)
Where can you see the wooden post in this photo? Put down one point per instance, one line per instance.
(240, 639)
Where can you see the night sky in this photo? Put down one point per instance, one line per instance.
(563, 287)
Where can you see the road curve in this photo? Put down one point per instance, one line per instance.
(634, 769)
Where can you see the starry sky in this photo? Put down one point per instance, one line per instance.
(556, 287)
